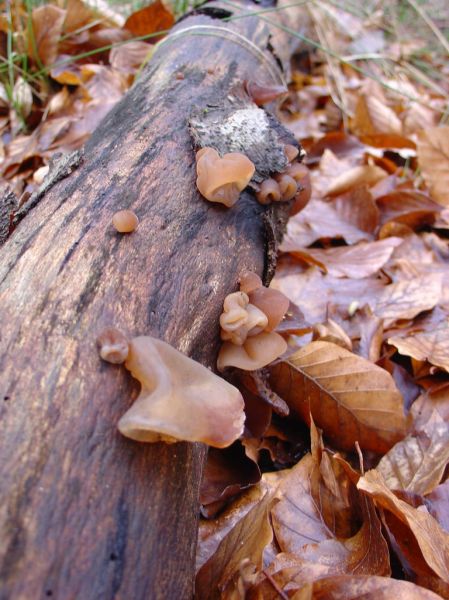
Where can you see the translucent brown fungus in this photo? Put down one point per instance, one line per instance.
(257, 352)
(249, 281)
(287, 186)
(269, 191)
(300, 173)
(240, 319)
(291, 152)
(221, 179)
(271, 302)
(112, 345)
(179, 399)
(125, 221)
(263, 93)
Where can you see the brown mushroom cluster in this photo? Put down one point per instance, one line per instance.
(247, 325)
(293, 184)
(221, 179)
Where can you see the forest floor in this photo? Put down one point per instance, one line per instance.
(343, 493)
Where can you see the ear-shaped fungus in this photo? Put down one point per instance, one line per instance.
(257, 352)
(262, 93)
(269, 191)
(300, 173)
(271, 302)
(222, 179)
(240, 319)
(249, 281)
(291, 152)
(287, 186)
(180, 399)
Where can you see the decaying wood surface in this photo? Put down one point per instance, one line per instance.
(84, 512)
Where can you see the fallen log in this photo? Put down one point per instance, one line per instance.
(84, 512)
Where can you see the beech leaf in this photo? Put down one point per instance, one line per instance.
(431, 345)
(433, 159)
(417, 463)
(246, 540)
(150, 19)
(350, 398)
(47, 23)
(432, 540)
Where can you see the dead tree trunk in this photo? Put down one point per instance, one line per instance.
(84, 512)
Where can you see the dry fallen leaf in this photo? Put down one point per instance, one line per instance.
(317, 520)
(150, 19)
(129, 57)
(406, 299)
(316, 221)
(47, 23)
(356, 262)
(433, 542)
(351, 399)
(431, 345)
(410, 207)
(433, 159)
(372, 116)
(358, 208)
(246, 540)
(361, 175)
(417, 463)
(438, 504)
(359, 587)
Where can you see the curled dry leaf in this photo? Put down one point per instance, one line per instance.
(315, 515)
(358, 208)
(226, 473)
(316, 221)
(361, 175)
(431, 345)
(319, 295)
(417, 463)
(372, 116)
(432, 541)
(433, 159)
(438, 504)
(348, 397)
(218, 576)
(432, 400)
(356, 262)
(410, 207)
(406, 299)
(356, 587)
(47, 22)
(127, 58)
(332, 332)
(150, 19)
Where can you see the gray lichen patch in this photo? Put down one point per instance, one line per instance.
(237, 125)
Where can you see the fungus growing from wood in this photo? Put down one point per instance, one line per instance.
(300, 173)
(263, 93)
(125, 221)
(271, 302)
(112, 345)
(249, 281)
(179, 399)
(240, 319)
(291, 152)
(257, 352)
(269, 191)
(221, 179)
(287, 186)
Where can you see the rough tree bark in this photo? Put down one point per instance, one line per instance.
(84, 512)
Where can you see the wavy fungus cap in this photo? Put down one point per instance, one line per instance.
(257, 352)
(222, 179)
(180, 399)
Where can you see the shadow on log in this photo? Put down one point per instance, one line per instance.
(84, 512)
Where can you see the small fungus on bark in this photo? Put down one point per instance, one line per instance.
(257, 352)
(125, 221)
(112, 345)
(263, 93)
(240, 319)
(269, 192)
(179, 399)
(249, 281)
(287, 186)
(291, 152)
(221, 179)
